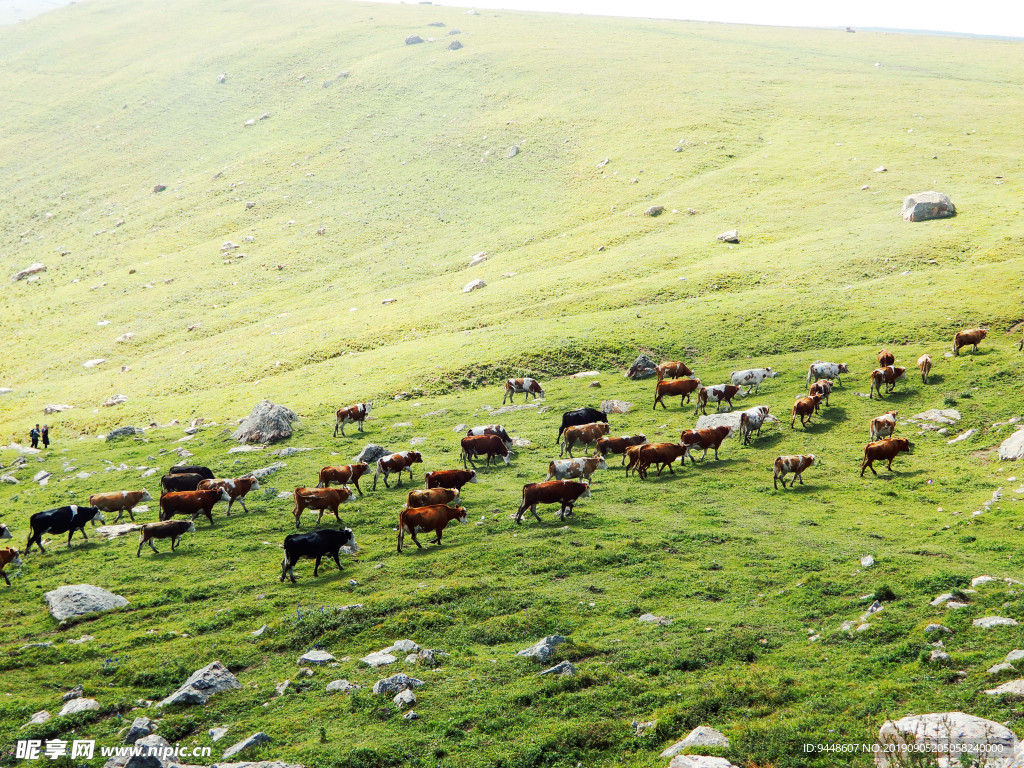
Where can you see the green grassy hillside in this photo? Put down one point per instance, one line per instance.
(380, 170)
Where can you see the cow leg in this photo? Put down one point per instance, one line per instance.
(386, 480)
(316, 566)
(2, 573)
(284, 567)
(230, 502)
(117, 519)
(174, 542)
(360, 425)
(336, 560)
(775, 482)
(799, 476)
(72, 533)
(154, 548)
(319, 518)
(242, 502)
(655, 406)
(337, 517)
(533, 509)
(209, 515)
(716, 453)
(437, 538)
(375, 474)
(138, 551)
(412, 532)
(357, 486)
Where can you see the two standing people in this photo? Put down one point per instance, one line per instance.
(36, 433)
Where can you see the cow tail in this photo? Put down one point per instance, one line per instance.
(401, 532)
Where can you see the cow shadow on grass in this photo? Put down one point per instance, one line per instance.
(892, 474)
(766, 440)
(829, 417)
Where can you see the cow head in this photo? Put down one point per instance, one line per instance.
(15, 556)
(255, 485)
(601, 462)
(844, 368)
(769, 373)
(894, 414)
(415, 457)
(603, 428)
(350, 497)
(347, 534)
(145, 496)
(191, 527)
(224, 495)
(984, 333)
(586, 491)
(99, 515)
(472, 476)
(5, 532)
(360, 469)
(904, 444)
(461, 515)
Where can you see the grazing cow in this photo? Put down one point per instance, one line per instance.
(681, 388)
(820, 370)
(192, 469)
(321, 500)
(355, 413)
(751, 420)
(181, 482)
(795, 464)
(972, 337)
(492, 429)
(120, 502)
(823, 388)
(633, 456)
(883, 450)
(661, 455)
(804, 407)
(432, 496)
(705, 439)
(343, 475)
(396, 462)
(5, 532)
(484, 445)
(575, 469)
(720, 393)
(563, 492)
(168, 529)
(924, 364)
(424, 519)
(526, 386)
(193, 503)
(235, 488)
(752, 378)
(578, 418)
(450, 478)
(885, 358)
(617, 445)
(884, 425)
(673, 369)
(314, 545)
(61, 520)
(889, 376)
(585, 434)
(8, 556)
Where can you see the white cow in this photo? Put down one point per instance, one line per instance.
(752, 378)
(820, 370)
(751, 420)
(573, 469)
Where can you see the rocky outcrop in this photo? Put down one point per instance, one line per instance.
(267, 423)
(642, 368)
(947, 733)
(80, 599)
(201, 685)
(922, 206)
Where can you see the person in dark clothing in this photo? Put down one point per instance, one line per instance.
(46, 436)
(34, 434)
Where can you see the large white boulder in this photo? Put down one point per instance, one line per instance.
(81, 599)
(266, 423)
(922, 206)
(949, 733)
(1012, 448)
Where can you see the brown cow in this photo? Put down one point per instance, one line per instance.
(396, 462)
(450, 478)
(343, 475)
(972, 337)
(8, 556)
(720, 393)
(673, 369)
(681, 388)
(889, 376)
(924, 363)
(422, 519)
(795, 464)
(563, 492)
(886, 358)
(705, 439)
(585, 434)
(321, 500)
(168, 529)
(355, 413)
(575, 469)
(236, 489)
(804, 407)
(492, 429)
(120, 502)
(884, 425)
(526, 386)
(823, 388)
(633, 455)
(661, 455)
(431, 497)
(193, 503)
(883, 450)
(484, 445)
(617, 445)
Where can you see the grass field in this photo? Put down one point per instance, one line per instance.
(403, 163)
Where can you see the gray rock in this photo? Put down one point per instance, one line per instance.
(371, 452)
(201, 685)
(9, 479)
(404, 699)
(151, 755)
(378, 659)
(543, 648)
(282, 688)
(979, 580)
(407, 646)
(1012, 448)
(315, 657)
(38, 718)
(1014, 688)
(41, 477)
(342, 686)
(395, 684)
(699, 761)
(81, 599)
(82, 639)
(997, 668)
(33, 269)
(259, 474)
(473, 285)
(216, 734)
(615, 406)
(938, 655)
(513, 150)
(455, 45)
(650, 618)
(75, 693)
(413, 40)
(944, 597)
(938, 416)
(564, 668)
(867, 561)
(47, 644)
(732, 236)
(642, 368)
(289, 451)
(427, 657)
(944, 732)
(938, 628)
(254, 740)
(994, 621)
(266, 423)
(1014, 656)
(961, 436)
(655, 210)
(922, 206)
(260, 632)
(701, 736)
(140, 728)
(115, 400)
(78, 705)
(123, 432)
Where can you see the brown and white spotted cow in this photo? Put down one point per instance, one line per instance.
(492, 429)
(432, 496)
(888, 376)
(885, 357)
(795, 464)
(681, 388)
(120, 502)
(659, 455)
(704, 439)
(450, 478)
(236, 488)
(970, 337)
(321, 500)
(193, 503)
(924, 364)
(396, 462)
(585, 434)
(883, 450)
(525, 386)
(751, 420)
(804, 407)
(673, 369)
(575, 469)
(354, 413)
(614, 446)
(8, 556)
(720, 393)
(884, 425)
(344, 474)
(823, 389)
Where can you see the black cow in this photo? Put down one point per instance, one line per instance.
(61, 520)
(580, 416)
(187, 469)
(326, 541)
(182, 482)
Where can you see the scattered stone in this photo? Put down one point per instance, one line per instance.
(701, 736)
(732, 236)
(78, 705)
(80, 599)
(34, 269)
(259, 474)
(342, 686)
(979, 580)
(94, 362)
(266, 423)
(56, 409)
(650, 618)
(642, 368)
(562, 668)
(123, 432)
(404, 699)
(1012, 448)
(38, 718)
(867, 561)
(922, 206)
(378, 659)
(79, 641)
(944, 597)
(513, 150)
(994, 621)
(216, 734)
(389, 301)
(413, 40)
(655, 210)
(75, 693)
(41, 477)
(255, 740)
(939, 656)
(943, 733)
(140, 728)
(543, 648)
(699, 761)
(511, 408)
(315, 657)
(282, 688)
(201, 685)
(996, 669)
(615, 406)
(260, 632)
(520, 442)
(937, 415)
(473, 285)
(961, 436)
(1013, 688)
(289, 451)
(881, 169)
(395, 684)
(410, 715)
(371, 452)
(245, 448)
(1014, 656)
(9, 479)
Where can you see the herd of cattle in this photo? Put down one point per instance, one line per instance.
(193, 491)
